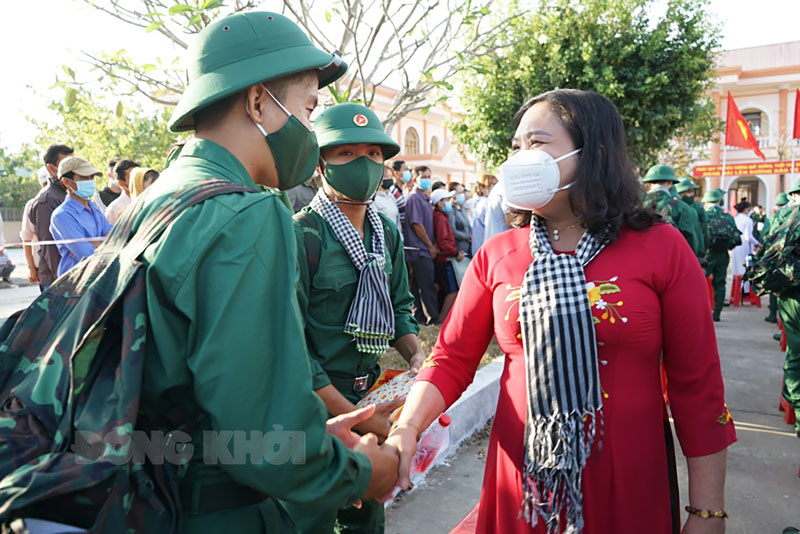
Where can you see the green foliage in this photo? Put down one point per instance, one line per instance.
(99, 126)
(18, 181)
(655, 71)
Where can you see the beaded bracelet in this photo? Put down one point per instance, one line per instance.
(707, 514)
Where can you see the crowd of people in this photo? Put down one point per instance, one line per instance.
(70, 210)
(250, 320)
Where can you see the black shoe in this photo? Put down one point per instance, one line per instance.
(716, 317)
(771, 319)
(726, 304)
(776, 337)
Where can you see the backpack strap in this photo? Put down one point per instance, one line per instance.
(122, 236)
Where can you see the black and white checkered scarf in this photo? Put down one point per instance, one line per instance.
(371, 317)
(564, 396)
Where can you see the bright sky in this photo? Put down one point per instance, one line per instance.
(39, 36)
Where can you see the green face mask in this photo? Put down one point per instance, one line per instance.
(357, 179)
(294, 149)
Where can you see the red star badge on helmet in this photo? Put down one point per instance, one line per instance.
(360, 120)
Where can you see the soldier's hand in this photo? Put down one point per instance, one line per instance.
(415, 364)
(341, 425)
(379, 423)
(384, 460)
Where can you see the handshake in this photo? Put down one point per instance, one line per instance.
(391, 461)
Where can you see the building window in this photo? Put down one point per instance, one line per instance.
(754, 121)
(434, 145)
(412, 142)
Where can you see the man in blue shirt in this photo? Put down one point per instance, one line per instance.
(421, 247)
(78, 217)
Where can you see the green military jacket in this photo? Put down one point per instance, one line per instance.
(325, 300)
(227, 337)
(702, 222)
(680, 215)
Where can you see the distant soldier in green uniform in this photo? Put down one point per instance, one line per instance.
(780, 201)
(722, 237)
(687, 189)
(226, 329)
(353, 288)
(659, 179)
(775, 269)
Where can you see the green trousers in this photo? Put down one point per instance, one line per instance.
(717, 268)
(789, 308)
(773, 307)
(262, 518)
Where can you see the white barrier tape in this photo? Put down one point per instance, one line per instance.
(54, 242)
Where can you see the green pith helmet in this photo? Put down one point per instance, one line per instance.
(795, 188)
(244, 49)
(713, 195)
(781, 200)
(350, 123)
(685, 184)
(660, 173)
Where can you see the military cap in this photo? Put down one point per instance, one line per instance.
(795, 188)
(685, 184)
(713, 195)
(660, 173)
(782, 199)
(351, 123)
(244, 49)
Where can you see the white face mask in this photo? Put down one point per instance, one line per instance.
(530, 178)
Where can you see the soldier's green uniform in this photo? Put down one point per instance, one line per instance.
(677, 213)
(227, 334)
(326, 290)
(781, 200)
(717, 257)
(686, 185)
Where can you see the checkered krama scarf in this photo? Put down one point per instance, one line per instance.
(564, 397)
(371, 317)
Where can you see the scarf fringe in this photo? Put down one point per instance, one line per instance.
(558, 449)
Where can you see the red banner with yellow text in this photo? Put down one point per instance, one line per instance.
(740, 169)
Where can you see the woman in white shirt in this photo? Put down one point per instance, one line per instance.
(745, 225)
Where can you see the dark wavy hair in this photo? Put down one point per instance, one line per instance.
(606, 192)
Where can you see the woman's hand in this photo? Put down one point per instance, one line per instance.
(699, 525)
(379, 423)
(404, 438)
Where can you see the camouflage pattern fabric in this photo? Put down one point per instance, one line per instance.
(723, 235)
(71, 370)
(776, 267)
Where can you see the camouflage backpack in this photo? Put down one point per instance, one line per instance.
(723, 235)
(776, 267)
(70, 370)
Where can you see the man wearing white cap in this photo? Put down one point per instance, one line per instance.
(78, 217)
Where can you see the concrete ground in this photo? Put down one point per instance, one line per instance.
(762, 490)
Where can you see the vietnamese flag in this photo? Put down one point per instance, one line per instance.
(737, 132)
(796, 134)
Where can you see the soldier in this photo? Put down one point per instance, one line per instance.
(687, 190)
(353, 288)
(781, 200)
(227, 334)
(778, 257)
(722, 237)
(659, 179)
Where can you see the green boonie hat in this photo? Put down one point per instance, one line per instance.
(782, 199)
(244, 49)
(795, 188)
(713, 195)
(350, 123)
(660, 173)
(685, 184)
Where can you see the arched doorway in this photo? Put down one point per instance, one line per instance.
(753, 188)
